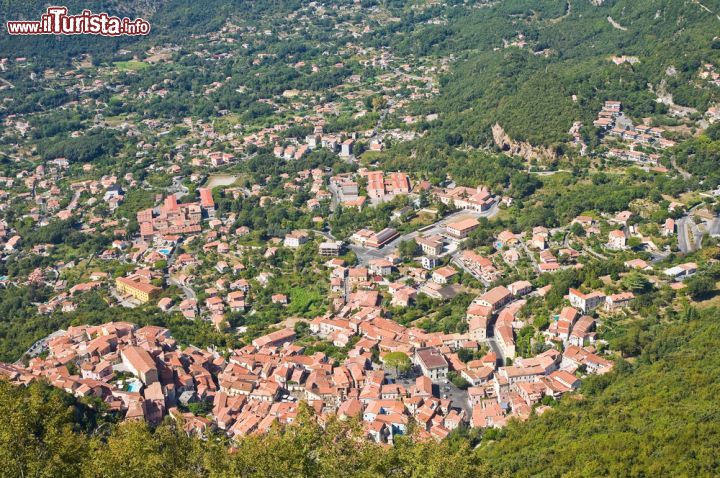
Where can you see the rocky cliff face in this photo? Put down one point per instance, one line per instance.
(520, 148)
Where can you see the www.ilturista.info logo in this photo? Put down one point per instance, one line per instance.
(57, 22)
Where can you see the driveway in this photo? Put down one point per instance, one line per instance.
(187, 291)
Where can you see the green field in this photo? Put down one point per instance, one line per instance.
(130, 65)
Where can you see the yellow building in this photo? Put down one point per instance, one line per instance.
(133, 286)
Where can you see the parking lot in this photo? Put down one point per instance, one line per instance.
(443, 389)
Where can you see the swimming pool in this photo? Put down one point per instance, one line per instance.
(165, 252)
(134, 386)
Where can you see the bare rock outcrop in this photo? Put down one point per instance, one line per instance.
(521, 148)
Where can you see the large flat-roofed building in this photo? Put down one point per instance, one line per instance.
(432, 363)
(330, 248)
(344, 186)
(374, 240)
(136, 287)
(461, 229)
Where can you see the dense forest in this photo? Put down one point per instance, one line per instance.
(699, 156)
(654, 415)
(564, 72)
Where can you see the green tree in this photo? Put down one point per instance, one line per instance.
(700, 286)
(407, 249)
(399, 361)
(634, 242)
(37, 432)
(636, 282)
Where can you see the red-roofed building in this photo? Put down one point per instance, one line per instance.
(207, 202)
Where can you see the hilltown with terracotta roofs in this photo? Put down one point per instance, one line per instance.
(479, 376)
(221, 257)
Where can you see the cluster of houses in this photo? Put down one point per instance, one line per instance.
(611, 120)
(46, 199)
(336, 143)
(634, 156)
(176, 218)
(642, 135)
(143, 374)
(709, 72)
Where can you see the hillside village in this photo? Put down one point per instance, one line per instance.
(491, 365)
(282, 246)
